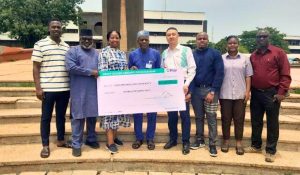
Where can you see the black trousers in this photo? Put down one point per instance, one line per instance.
(60, 100)
(262, 101)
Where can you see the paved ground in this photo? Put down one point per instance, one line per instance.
(94, 172)
(22, 71)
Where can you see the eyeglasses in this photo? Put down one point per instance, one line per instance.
(262, 36)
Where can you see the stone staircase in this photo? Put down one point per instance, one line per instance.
(20, 145)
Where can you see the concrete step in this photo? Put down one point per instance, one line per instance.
(287, 108)
(33, 115)
(30, 133)
(30, 91)
(17, 91)
(25, 157)
(294, 98)
(19, 102)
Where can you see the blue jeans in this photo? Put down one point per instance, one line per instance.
(138, 126)
(78, 128)
(202, 109)
(185, 124)
(60, 100)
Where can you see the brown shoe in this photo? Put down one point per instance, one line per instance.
(252, 149)
(45, 153)
(239, 150)
(137, 144)
(150, 144)
(225, 148)
(270, 157)
(64, 144)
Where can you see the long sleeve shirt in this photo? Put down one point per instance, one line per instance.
(271, 69)
(180, 58)
(83, 86)
(210, 69)
(144, 60)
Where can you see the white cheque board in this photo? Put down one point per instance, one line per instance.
(140, 91)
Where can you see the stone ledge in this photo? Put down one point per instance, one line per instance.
(159, 160)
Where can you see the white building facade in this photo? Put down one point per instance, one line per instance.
(187, 23)
(156, 22)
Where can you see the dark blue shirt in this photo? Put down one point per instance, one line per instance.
(144, 60)
(210, 68)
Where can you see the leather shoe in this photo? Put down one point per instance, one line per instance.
(150, 144)
(225, 148)
(93, 145)
(170, 144)
(185, 148)
(137, 144)
(76, 152)
(239, 150)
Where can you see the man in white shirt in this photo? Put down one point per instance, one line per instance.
(180, 57)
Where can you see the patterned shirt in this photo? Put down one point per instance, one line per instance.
(53, 74)
(112, 59)
(236, 70)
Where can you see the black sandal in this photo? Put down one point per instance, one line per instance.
(137, 144)
(45, 153)
(150, 145)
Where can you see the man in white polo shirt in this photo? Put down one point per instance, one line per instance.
(51, 83)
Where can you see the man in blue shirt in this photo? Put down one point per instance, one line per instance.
(144, 58)
(207, 83)
(82, 64)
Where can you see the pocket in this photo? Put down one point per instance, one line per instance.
(272, 63)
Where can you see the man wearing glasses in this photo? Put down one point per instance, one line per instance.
(270, 82)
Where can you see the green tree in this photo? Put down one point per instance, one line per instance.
(248, 39)
(192, 44)
(27, 20)
(222, 46)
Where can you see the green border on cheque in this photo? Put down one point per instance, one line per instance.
(131, 72)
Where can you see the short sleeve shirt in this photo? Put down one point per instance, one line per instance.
(53, 74)
(236, 70)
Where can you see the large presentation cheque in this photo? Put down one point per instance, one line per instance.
(140, 91)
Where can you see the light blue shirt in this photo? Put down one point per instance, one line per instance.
(236, 70)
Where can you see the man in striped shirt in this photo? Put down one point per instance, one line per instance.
(51, 83)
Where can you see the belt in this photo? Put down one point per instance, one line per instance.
(265, 90)
(203, 86)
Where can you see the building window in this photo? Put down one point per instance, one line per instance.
(173, 21)
(295, 51)
(180, 33)
(70, 30)
(98, 28)
(294, 42)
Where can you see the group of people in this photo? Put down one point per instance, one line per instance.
(210, 78)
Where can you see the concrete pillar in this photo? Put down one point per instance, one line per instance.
(131, 20)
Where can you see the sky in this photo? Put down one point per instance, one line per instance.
(229, 17)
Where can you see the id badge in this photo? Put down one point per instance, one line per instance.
(149, 65)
